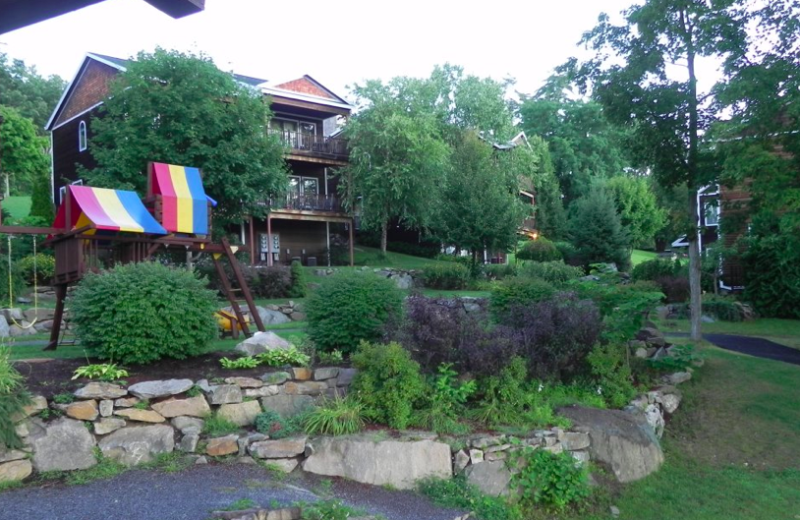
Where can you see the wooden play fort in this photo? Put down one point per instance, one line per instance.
(97, 227)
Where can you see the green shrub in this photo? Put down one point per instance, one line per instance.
(539, 250)
(104, 372)
(337, 416)
(329, 509)
(351, 307)
(720, 307)
(140, 313)
(612, 374)
(456, 493)
(499, 271)
(508, 400)
(679, 359)
(771, 268)
(388, 382)
(216, 426)
(445, 402)
(241, 363)
(284, 356)
(13, 398)
(548, 479)
(519, 291)
(298, 278)
(556, 273)
(272, 424)
(656, 268)
(447, 276)
(569, 253)
(45, 268)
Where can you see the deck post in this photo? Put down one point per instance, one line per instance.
(352, 250)
(269, 240)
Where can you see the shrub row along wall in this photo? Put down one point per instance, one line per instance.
(404, 278)
(135, 424)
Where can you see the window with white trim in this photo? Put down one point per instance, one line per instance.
(83, 141)
(711, 210)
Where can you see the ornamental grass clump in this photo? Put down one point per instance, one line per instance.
(140, 313)
(13, 399)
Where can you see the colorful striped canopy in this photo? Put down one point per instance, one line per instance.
(184, 203)
(110, 210)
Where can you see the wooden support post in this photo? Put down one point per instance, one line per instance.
(269, 240)
(226, 287)
(58, 316)
(248, 297)
(253, 258)
(352, 245)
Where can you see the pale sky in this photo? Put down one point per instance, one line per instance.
(338, 43)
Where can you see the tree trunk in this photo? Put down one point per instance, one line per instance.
(384, 234)
(695, 296)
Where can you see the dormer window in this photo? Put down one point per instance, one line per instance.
(82, 139)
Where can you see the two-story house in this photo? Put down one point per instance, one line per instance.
(301, 225)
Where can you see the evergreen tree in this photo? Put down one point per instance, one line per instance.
(596, 231)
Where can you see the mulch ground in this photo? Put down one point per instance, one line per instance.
(49, 377)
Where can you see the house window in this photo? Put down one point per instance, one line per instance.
(711, 211)
(296, 134)
(82, 139)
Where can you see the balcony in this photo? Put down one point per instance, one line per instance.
(312, 145)
(316, 203)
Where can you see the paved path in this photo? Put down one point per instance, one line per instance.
(758, 347)
(192, 495)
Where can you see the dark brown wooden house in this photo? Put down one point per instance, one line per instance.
(301, 225)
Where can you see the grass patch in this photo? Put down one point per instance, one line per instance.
(785, 332)
(731, 448)
(638, 256)
(439, 293)
(372, 257)
(18, 206)
(216, 426)
(241, 504)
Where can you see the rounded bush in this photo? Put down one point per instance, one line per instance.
(519, 292)
(557, 273)
(351, 307)
(45, 268)
(449, 276)
(539, 250)
(140, 313)
(656, 268)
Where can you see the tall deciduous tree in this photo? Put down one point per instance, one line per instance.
(23, 88)
(397, 156)
(479, 208)
(181, 109)
(22, 151)
(664, 108)
(584, 145)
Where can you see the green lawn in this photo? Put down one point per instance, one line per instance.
(638, 256)
(731, 449)
(368, 256)
(17, 206)
(785, 332)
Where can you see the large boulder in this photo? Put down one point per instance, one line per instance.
(99, 390)
(261, 342)
(15, 470)
(137, 444)
(156, 389)
(270, 317)
(287, 405)
(240, 414)
(193, 407)
(624, 441)
(492, 478)
(4, 329)
(278, 448)
(395, 463)
(63, 445)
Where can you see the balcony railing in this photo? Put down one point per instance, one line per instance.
(295, 201)
(315, 145)
(529, 223)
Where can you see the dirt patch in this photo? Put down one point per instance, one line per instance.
(49, 377)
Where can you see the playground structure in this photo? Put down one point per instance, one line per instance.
(96, 227)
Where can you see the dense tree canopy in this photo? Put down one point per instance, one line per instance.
(22, 87)
(181, 109)
(584, 145)
(479, 207)
(23, 153)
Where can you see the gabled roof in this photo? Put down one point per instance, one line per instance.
(121, 65)
(309, 86)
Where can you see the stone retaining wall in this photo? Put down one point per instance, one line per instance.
(134, 424)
